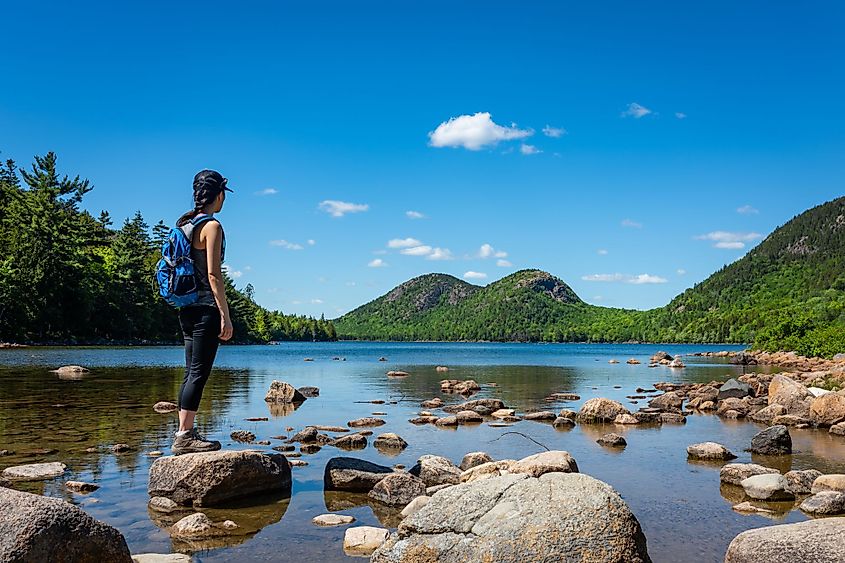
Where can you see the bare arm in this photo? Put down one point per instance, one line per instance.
(213, 235)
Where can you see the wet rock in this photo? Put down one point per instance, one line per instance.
(363, 540)
(281, 392)
(748, 508)
(801, 482)
(767, 414)
(566, 397)
(556, 461)
(561, 422)
(34, 471)
(365, 422)
(161, 558)
(613, 361)
(744, 359)
(332, 520)
(164, 407)
(486, 471)
(828, 410)
(612, 440)
(353, 475)
(434, 403)
(397, 489)
(81, 487)
(769, 487)
(830, 482)
(199, 526)
(774, 440)
(424, 420)
(467, 387)
(736, 473)
(284, 448)
(541, 416)
(446, 421)
(415, 505)
(502, 413)
(648, 417)
(32, 527)
(474, 459)
(838, 429)
(738, 406)
(626, 419)
(390, 441)
(558, 517)
(307, 435)
(4, 453)
(441, 369)
(790, 394)
(492, 404)
(709, 451)
(242, 436)
(670, 402)
(163, 505)
(672, 418)
(309, 449)
(309, 392)
(436, 470)
(733, 389)
(814, 541)
(350, 442)
(707, 406)
(825, 503)
(469, 417)
(397, 373)
(482, 410)
(323, 428)
(208, 479)
(600, 410)
(65, 370)
(633, 361)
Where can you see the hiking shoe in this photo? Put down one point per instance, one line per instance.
(192, 442)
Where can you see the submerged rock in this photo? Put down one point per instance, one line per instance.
(365, 422)
(612, 440)
(34, 527)
(81, 487)
(242, 436)
(164, 407)
(207, 479)
(309, 392)
(517, 518)
(332, 519)
(350, 442)
(390, 441)
(814, 541)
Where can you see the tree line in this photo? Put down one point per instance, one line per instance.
(69, 277)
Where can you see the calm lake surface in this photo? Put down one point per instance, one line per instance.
(684, 513)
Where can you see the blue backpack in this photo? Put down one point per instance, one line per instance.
(175, 275)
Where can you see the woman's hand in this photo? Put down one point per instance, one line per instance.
(226, 328)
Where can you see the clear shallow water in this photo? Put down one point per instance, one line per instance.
(683, 511)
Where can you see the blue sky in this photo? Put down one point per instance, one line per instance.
(631, 149)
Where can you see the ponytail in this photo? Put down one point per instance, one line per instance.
(207, 185)
(187, 217)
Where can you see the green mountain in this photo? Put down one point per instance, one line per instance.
(787, 293)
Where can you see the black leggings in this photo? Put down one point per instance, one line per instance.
(200, 329)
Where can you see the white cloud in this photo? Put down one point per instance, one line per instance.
(440, 254)
(747, 210)
(414, 215)
(475, 275)
(282, 243)
(487, 251)
(377, 263)
(625, 278)
(422, 250)
(317, 301)
(402, 242)
(601, 252)
(234, 274)
(555, 132)
(350, 284)
(503, 263)
(680, 115)
(267, 191)
(474, 132)
(681, 272)
(636, 111)
(340, 208)
(631, 224)
(296, 302)
(529, 149)
(729, 240)
(311, 242)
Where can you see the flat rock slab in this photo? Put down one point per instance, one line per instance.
(517, 518)
(207, 479)
(33, 526)
(363, 540)
(814, 541)
(736, 473)
(34, 471)
(353, 475)
(332, 520)
(161, 558)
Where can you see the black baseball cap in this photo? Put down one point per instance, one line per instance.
(211, 179)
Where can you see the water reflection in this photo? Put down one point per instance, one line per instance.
(337, 501)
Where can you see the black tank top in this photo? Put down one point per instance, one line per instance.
(200, 258)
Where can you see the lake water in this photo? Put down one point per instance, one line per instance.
(684, 513)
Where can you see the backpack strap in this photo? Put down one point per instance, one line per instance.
(188, 230)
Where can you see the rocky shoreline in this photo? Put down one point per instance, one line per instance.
(537, 508)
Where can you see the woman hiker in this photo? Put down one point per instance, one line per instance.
(206, 320)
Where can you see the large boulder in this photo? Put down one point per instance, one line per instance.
(353, 475)
(517, 518)
(801, 481)
(825, 503)
(828, 409)
(814, 541)
(397, 489)
(34, 527)
(790, 394)
(601, 410)
(207, 479)
(774, 440)
(492, 404)
(733, 389)
(767, 487)
(281, 392)
(669, 401)
(436, 470)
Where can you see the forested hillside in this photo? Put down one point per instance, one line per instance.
(67, 276)
(788, 293)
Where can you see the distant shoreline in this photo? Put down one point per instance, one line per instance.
(144, 344)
